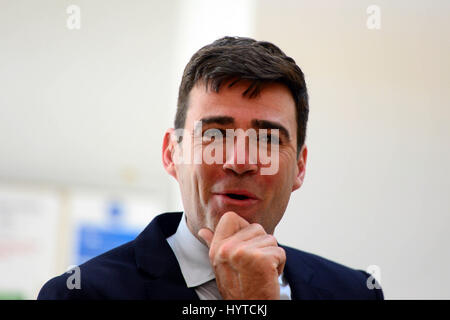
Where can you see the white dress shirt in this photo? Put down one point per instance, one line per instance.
(193, 258)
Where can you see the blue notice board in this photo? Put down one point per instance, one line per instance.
(94, 240)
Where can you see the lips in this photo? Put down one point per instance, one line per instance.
(238, 194)
(237, 197)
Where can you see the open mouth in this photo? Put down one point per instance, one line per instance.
(241, 199)
(237, 196)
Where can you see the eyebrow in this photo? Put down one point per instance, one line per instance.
(266, 124)
(222, 120)
(218, 120)
(256, 123)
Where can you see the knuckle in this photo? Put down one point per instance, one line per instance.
(238, 254)
(223, 252)
(259, 256)
(257, 228)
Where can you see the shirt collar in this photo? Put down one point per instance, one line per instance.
(192, 255)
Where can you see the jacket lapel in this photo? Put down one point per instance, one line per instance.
(155, 257)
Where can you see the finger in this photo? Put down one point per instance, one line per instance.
(278, 256)
(261, 241)
(207, 235)
(228, 225)
(252, 231)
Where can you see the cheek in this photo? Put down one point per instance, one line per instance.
(287, 168)
(279, 187)
(188, 179)
(205, 177)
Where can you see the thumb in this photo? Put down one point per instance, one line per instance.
(207, 235)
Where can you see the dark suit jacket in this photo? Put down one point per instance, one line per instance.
(146, 268)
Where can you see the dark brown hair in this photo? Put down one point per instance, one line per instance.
(233, 59)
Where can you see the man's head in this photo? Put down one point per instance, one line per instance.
(232, 59)
(239, 83)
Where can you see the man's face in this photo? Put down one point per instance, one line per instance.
(210, 190)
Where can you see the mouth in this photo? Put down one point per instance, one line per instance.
(237, 197)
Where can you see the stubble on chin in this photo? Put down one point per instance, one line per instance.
(209, 222)
(198, 222)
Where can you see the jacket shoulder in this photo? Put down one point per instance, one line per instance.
(333, 279)
(119, 273)
(93, 279)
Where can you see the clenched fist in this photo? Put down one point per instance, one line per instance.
(246, 260)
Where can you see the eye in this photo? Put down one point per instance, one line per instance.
(269, 138)
(209, 134)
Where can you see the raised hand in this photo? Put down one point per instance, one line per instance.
(246, 260)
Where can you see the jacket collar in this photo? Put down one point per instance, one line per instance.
(155, 257)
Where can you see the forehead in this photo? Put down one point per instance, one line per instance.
(274, 103)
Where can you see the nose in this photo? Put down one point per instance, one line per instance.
(240, 158)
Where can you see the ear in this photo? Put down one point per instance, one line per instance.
(168, 151)
(301, 167)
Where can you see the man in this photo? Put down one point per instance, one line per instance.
(237, 151)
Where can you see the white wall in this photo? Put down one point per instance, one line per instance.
(87, 106)
(377, 184)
